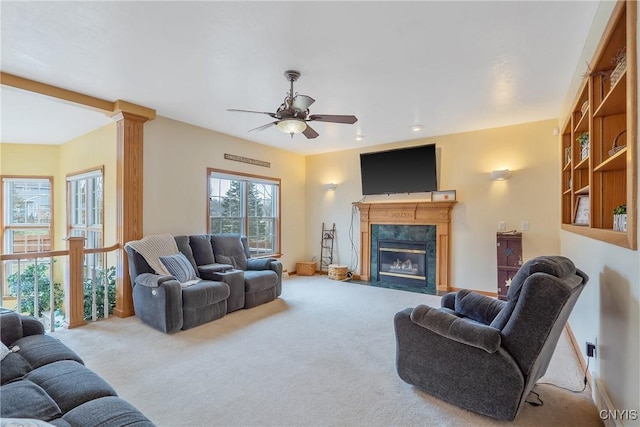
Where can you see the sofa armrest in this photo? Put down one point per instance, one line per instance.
(259, 263)
(14, 326)
(449, 300)
(31, 326)
(208, 269)
(458, 329)
(151, 280)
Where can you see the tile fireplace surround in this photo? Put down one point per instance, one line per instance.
(408, 213)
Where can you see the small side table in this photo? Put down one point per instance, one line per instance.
(235, 280)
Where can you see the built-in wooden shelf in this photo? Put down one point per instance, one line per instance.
(609, 113)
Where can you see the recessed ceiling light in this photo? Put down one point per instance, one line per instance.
(416, 128)
(359, 137)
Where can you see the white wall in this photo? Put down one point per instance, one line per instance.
(176, 158)
(608, 310)
(465, 161)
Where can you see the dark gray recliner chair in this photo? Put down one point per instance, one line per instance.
(483, 354)
(162, 303)
(216, 253)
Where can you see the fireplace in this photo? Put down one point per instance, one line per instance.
(402, 262)
(393, 217)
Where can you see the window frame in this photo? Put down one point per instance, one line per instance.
(258, 179)
(87, 227)
(6, 268)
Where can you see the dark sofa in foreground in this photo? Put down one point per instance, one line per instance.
(47, 381)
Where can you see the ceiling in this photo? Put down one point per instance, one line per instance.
(449, 66)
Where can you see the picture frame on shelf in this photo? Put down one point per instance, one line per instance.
(581, 213)
(443, 196)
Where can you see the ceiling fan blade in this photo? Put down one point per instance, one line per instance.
(249, 111)
(263, 127)
(302, 102)
(310, 133)
(333, 118)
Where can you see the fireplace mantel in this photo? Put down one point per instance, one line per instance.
(408, 213)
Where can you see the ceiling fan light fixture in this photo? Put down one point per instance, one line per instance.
(292, 126)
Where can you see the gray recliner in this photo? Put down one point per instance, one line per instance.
(483, 354)
(220, 252)
(162, 303)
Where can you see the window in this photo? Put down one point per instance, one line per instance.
(85, 195)
(248, 205)
(26, 222)
(26, 215)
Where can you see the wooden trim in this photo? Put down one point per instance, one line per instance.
(632, 124)
(408, 213)
(68, 202)
(56, 92)
(129, 201)
(578, 351)
(248, 175)
(86, 171)
(28, 255)
(120, 106)
(107, 107)
(74, 293)
(2, 207)
(102, 250)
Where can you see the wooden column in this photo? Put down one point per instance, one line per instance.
(74, 294)
(408, 213)
(128, 201)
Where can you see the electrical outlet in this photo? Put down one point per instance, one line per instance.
(591, 349)
(525, 225)
(502, 225)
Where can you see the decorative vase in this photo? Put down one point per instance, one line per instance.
(620, 222)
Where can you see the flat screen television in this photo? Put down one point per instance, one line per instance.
(404, 170)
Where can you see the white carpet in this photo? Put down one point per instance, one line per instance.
(321, 354)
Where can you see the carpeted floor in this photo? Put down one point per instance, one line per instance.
(322, 354)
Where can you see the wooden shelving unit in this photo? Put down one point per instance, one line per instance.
(608, 112)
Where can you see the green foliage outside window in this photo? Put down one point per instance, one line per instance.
(110, 274)
(28, 295)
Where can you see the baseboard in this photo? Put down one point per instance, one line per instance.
(608, 413)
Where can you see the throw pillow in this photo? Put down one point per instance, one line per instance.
(179, 267)
(4, 350)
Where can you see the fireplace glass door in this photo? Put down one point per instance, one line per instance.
(402, 262)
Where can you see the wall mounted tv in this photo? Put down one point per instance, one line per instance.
(404, 170)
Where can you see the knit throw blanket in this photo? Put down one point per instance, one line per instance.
(153, 247)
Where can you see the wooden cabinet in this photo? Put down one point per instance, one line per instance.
(509, 251)
(600, 175)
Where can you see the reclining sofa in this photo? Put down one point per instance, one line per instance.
(42, 379)
(209, 276)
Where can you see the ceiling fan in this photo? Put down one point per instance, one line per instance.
(293, 114)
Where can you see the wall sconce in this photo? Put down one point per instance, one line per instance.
(330, 186)
(500, 175)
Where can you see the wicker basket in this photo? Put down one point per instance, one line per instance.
(617, 72)
(306, 268)
(337, 272)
